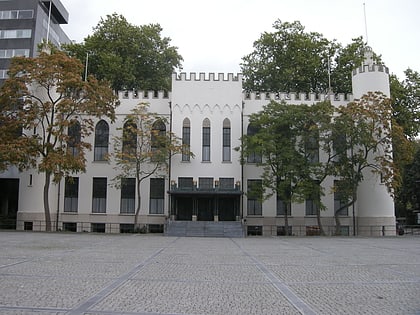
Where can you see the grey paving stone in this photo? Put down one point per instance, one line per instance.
(60, 273)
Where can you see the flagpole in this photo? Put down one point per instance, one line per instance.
(49, 21)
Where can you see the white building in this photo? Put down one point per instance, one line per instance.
(210, 113)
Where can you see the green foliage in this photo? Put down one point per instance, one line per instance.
(292, 60)
(406, 102)
(129, 56)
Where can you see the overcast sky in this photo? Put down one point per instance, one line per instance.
(213, 36)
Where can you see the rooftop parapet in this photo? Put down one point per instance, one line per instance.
(207, 77)
(371, 68)
(143, 95)
(295, 97)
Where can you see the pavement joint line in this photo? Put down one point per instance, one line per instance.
(98, 297)
(33, 309)
(294, 299)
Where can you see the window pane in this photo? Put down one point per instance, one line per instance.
(206, 144)
(157, 188)
(101, 141)
(128, 195)
(254, 191)
(185, 182)
(205, 182)
(226, 183)
(186, 138)
(99, 195)
(157, 195)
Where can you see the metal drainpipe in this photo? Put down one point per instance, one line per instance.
(242, 164)
(170, 162)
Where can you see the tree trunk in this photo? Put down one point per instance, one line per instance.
(136, 216)
(337, 223)
(286, 219)
(318, 218)
(46, 201)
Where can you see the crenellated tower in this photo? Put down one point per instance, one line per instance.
(375, 206)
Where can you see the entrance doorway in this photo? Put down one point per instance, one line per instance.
(227, 209)
(205, 209)
(9, 195)
(184, 209)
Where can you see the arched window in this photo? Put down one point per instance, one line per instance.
(226, 140)
(206, 140)
(101, 141)
(158, 137)
(129, 141)
(74, 134)
(253, 157)
(186, 139)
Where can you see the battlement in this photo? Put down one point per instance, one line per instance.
(143, 95)
(371, 68)
(301, 97)
(207, 77)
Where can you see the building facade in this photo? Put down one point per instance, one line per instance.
(24, 24)
(209, 113)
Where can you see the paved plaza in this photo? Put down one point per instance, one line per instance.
(60, 273)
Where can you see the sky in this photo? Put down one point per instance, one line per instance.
(214, 35)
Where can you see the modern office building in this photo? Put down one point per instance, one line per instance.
(24, 24)
(210, 113)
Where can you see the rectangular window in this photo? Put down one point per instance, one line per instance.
(312, 149)
(3, 74)
(71, 194)
(97, 227)
(282, 206)
(205, 183)
(70, 226)
(281, 230)
(128, 195)
(10, 53)
(126, 228)
(254, 203)
(157, 195)
(313, 201)
(186, 139)
(254, 157)
(226, 144)
(206, 143)
(99, 195)
(185, 183)
(14, 34)
(16, 14)
(340, 201)
(226, 183)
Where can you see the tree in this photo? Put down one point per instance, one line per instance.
(288, 59)
(45, 97)
(363, 129)
(144, 149)
(287, 138)
(406, 102)
(129, 56)
(293, 60)
(406, 114)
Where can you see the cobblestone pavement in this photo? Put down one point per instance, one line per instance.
(95, 274)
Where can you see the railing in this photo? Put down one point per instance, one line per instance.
(412, 229)
(250, 230)
(39, 225)
(329, 230)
